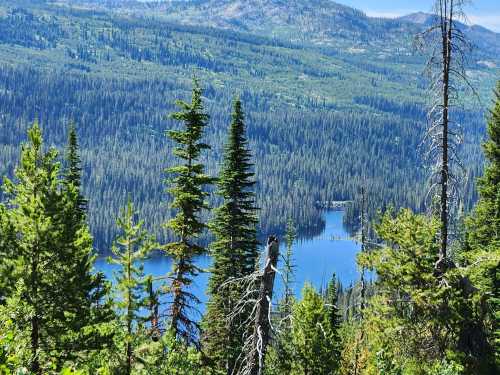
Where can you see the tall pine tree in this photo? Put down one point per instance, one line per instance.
(483, 236)
(234, 249)
(332, 306)
(83, 292)
(62, 300)
(35, 199)
(187, 189)
(73, 173)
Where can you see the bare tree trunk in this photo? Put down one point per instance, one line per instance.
(363, 249)
(446, 35)
(447, 66)
(262, 329)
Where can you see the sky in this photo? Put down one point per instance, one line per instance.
(482, 12)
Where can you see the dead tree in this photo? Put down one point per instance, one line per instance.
(444, 136)
(363, 249)
(257, 293)
(262, 329)
(362, 282)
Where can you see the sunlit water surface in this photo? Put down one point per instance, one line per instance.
(316, 259)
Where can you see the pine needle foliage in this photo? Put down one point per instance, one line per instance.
(129, 251)
(313, 341)
(332, 306)
(485, 223)
(234, 249)
(186, 186)
(59, 300)
(483, 232)
(84, 293)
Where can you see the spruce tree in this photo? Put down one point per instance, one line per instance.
(56, 287)
(483, 239)
(129, 250)
(234, 249)
(332, 306)
(484, 226)
(83, 293)
(7, 254)
(73, 173)
(313, 341)
(187, 189)
(34, 199)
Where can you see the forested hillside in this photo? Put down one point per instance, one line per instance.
(341, 107)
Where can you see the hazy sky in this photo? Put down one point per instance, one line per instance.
(482, 12)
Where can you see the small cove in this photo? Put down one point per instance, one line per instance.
(315, 259)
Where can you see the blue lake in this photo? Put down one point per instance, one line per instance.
(316, 259)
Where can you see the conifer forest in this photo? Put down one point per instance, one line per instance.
(209, 139)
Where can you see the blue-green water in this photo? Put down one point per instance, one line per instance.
(316, 259)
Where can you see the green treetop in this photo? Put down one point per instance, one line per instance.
(331, 303)
(130, 250)
(186, 187)
(482, 255)
(313, 340)
(82, 291)
(35, 201)
(484, 226)
(73, 172)
(234, 249)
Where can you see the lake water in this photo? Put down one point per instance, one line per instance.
(316, 259)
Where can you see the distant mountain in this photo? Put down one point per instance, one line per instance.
(419, 18)
(317, 22)
(296, 20)
(480, 36)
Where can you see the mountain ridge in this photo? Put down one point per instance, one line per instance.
(416, 17)
(318, 22)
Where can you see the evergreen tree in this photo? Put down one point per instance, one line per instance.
(482, 250)
(234, 249)
(83, 293)
(7, 254)
(313, 340)
(189, 199)
(35, 200)
(484, 226)
(331, 303)
(73, 173)
(52, 262)
(129, 250)
(414, 319)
